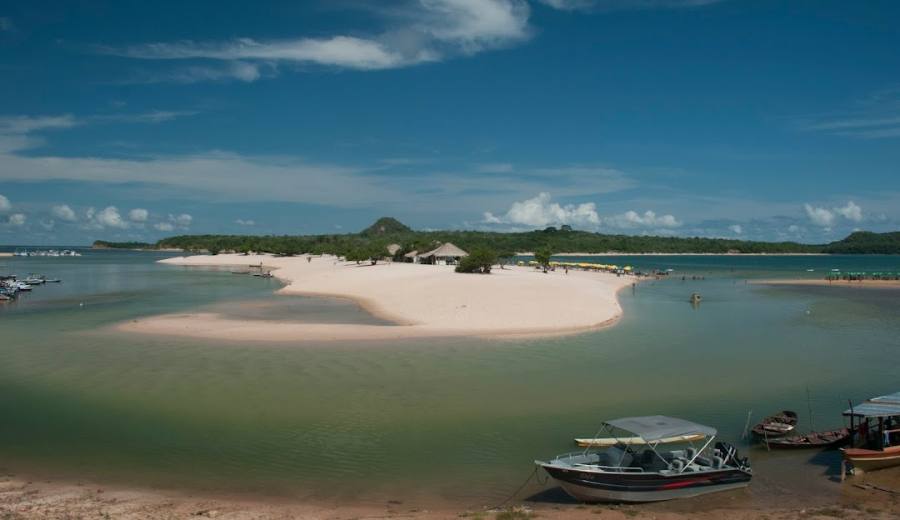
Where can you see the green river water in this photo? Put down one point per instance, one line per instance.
(421, 421)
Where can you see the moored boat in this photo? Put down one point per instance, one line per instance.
(875, 434)
(777, 425)
(821, 439)
(646, 468)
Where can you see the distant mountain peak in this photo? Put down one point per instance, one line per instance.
(386, 226)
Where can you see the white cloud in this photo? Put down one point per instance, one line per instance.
(164, 226)
(649, 219)
(183, 220)
(242, 222)
(617, 5)
(425, 31)
(25, 124)
(47, 224)
(108, 217)
(540, 211)
(5, 205)
(17, 219)
(876, 116)
(138, 215)
(819, 216)
(850, 212)
(825, 217)
(64, 212)
(154, 116)
(736, 229)
(284, 178)
(568, 5)
(234, 70)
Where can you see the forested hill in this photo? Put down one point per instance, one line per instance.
(389, 231)
(866, 242)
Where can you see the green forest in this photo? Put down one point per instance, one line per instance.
(373, 241)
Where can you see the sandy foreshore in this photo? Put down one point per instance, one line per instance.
(861, 284)
(23, 498)
(420, 300)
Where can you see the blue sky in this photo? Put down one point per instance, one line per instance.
(756, 119)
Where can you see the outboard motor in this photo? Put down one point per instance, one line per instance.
(730, 454)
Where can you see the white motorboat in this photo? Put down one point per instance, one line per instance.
(644, 467)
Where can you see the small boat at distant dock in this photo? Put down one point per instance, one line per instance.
(777, 425)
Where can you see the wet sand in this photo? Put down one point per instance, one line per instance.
(420, 301)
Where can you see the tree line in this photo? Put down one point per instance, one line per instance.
(504, 245)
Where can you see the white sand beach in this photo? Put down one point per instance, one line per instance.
(421, 301)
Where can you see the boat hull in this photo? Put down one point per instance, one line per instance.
(821, 440)
(871, 460)
(644, 487)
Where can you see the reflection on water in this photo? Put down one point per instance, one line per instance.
(425, 420)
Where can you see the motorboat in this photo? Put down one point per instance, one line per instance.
(34, 280)
(875, 434)
(21, 286)
(657, 458)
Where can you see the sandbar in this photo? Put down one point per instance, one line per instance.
(857, 284)
(421, 301)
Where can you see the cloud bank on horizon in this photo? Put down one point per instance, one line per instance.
(604, 115)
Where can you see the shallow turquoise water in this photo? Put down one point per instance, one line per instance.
(456, 420)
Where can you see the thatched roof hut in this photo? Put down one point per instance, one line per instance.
(446, 253)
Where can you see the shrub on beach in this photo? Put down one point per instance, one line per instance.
(479, 261)
(542, 257)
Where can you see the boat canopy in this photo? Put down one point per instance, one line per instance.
(883, 406)
(654, 428)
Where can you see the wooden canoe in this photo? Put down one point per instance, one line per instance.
(823, 439)
(778, 425)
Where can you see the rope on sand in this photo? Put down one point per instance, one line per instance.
(517, 491)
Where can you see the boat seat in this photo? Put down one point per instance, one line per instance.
(674, 454)
(704, 461)
(616, 456)
(690, 452)
(718, 462)
(649, 461)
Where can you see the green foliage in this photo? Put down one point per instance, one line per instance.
(103, 244)
(480, 260)
(542, 256)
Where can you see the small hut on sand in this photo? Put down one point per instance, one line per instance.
(447, 254)
(412, 256)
